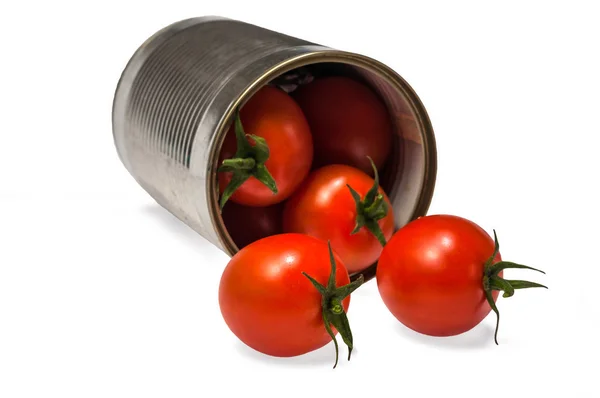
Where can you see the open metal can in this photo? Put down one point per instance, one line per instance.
(178, 94)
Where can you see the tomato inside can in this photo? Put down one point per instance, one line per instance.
(178, 95)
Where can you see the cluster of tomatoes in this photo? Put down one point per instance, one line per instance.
(300, 196)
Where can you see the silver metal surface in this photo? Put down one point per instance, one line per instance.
(176, 97)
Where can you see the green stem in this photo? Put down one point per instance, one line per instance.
(370, 209)
(373, 209)
(375, 229)
(492, 281)
(239, 164)
(332, 309)
(248, 161)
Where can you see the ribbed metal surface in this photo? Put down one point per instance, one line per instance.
(174, 87)
(177, 85)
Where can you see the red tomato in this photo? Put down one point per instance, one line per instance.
(323, 207)
(269, 304)
(246, 224)
(273, 115)
(348, 122)
(431, 275)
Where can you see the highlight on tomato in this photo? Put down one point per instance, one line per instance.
(247, 224)
(267, 152)
(440, 275)
(342, 204)
(348, 122)
(287, 295)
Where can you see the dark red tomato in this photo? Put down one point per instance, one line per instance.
(430, 275)
(247, 224)
(269, 304)
(323, 207)
(348, 122)
(273, 115)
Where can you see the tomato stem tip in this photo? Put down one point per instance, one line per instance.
(332, 309)
(492, 281)
(248, 161)
(371, 209)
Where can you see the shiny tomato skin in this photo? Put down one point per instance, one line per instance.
(267, 302)
(430, 275)
(348, 122)
(247, 224)
(273, 115)
(324, 208)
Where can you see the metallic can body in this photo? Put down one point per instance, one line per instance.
(176, 98)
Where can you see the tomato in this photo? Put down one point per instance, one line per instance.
(275, 119)
(268, 300)
(440, 275)
(246, 224)
(324, 207)
(348, 122)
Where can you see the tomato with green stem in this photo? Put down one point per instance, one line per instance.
(287, 295)
(440, 275)
(267, 152)
(348, 121)
(346, 206)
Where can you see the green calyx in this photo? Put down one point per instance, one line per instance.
(491, 281)
(370, 209)
(332, 310)
(248, 161)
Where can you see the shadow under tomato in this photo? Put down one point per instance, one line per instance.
(479, 337)
(324, 356)
(173, 225)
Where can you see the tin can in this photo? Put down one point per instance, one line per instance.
(177, 96)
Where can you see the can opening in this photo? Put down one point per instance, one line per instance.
(407, 177)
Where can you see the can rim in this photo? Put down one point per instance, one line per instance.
(320, 54)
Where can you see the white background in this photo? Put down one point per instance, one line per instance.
(105, 294)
